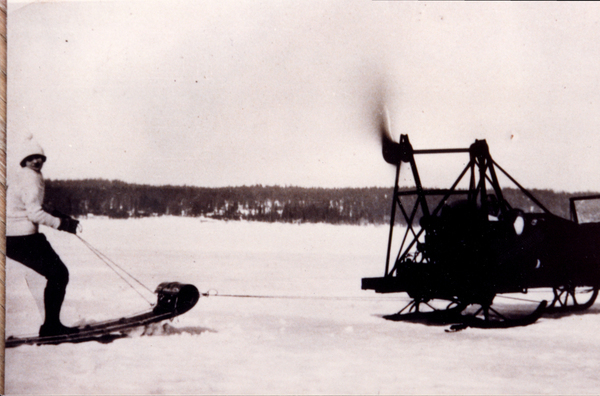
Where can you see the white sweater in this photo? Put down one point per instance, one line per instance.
(24, 198)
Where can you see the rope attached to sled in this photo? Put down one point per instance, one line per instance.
(214, 293)
(110, 263)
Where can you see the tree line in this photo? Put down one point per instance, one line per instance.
(369, 205)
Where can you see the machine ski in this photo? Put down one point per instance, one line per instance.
(450, 315)
(174, 299)
(499, 322)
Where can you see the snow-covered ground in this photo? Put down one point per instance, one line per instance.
(322, 335)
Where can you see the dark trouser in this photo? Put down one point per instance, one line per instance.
(35, 252)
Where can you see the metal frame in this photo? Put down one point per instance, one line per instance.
(481, 176)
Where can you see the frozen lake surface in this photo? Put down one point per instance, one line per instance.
(317, 333)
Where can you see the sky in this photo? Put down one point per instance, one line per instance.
(227, 93)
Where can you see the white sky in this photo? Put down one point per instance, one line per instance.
(217, 93)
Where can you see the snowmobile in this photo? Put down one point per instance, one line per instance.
(465, 246)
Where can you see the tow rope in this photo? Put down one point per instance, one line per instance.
(211, 293)
(111, 264)
(215, 293)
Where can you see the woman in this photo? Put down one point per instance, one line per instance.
(24, 243)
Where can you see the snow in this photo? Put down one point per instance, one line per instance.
(321, 334)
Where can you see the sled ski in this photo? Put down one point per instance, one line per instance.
(174, 299)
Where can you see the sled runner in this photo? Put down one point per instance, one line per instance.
(173, 300)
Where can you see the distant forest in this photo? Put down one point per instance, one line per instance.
(116, 199)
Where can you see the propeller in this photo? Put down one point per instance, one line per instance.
(389, 148)
(381, 93)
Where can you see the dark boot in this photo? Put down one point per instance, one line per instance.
(56, 329)
(54, 294)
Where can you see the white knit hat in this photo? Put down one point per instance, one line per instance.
(27, 148)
